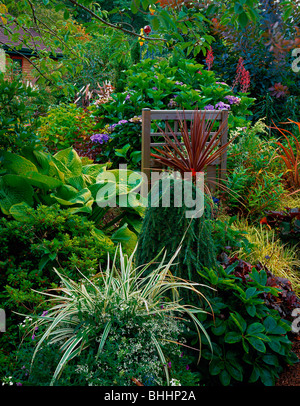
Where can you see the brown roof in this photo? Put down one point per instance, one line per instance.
(33, 39)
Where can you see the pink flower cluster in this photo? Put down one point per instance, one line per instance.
(242, 77)
(209, 58)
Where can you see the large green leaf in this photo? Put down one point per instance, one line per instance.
(126, 180)
(101, 236)
(87, 208)
(91, 171)
(78, 182)
(71, 160)
(58, 170)
(125, 237)
(69, 196)
(16, 164)
(13, 190)
(104, 194)
(19, 211)
(42, 181)
(39, 158)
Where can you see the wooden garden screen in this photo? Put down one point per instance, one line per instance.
(216, 171)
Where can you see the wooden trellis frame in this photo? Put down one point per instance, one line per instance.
(215, 172)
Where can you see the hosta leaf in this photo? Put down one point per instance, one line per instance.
(78, 182)
(126, 237)
(69, 196)
(126, 180)
(39, 158)
(101, 236)
(87, 208)
(16, 164)
(13, 190)
(91, 171)
(104, 194)
(42, 181)
(71, 160)
(20, 211)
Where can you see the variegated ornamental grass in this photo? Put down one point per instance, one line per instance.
(121, 287)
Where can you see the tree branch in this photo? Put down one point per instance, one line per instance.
(29, 60)
(116, 27)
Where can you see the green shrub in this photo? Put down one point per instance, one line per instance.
(159, 84)
(119, 326)
(65, 124)
(17, 108)
(169, 227)
(255, 177)
(36, 177)
(49, 237)
(228, 239)
(125, 133)
(250, 340)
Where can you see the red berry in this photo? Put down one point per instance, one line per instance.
(147, 29)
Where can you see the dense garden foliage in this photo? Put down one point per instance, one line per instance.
(101, 294)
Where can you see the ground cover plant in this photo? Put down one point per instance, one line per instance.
(98, 293)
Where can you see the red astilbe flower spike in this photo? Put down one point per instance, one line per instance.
(209, 58)
(245, 81)
(242, 77)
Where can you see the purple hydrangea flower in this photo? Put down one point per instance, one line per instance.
(111, 127)
(172, 103)
(122, 122)
(100, 138)
(127, 96)
(233, 99)
(222, 106)
(209, 107)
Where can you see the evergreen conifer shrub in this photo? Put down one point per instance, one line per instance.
(165, 228)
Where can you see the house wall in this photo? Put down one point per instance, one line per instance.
(26, 70)
(27, 67)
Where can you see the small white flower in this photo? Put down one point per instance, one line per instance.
(175, 382)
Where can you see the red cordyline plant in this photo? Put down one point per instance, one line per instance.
(198, 148)
(290, 158)
(242, 77)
